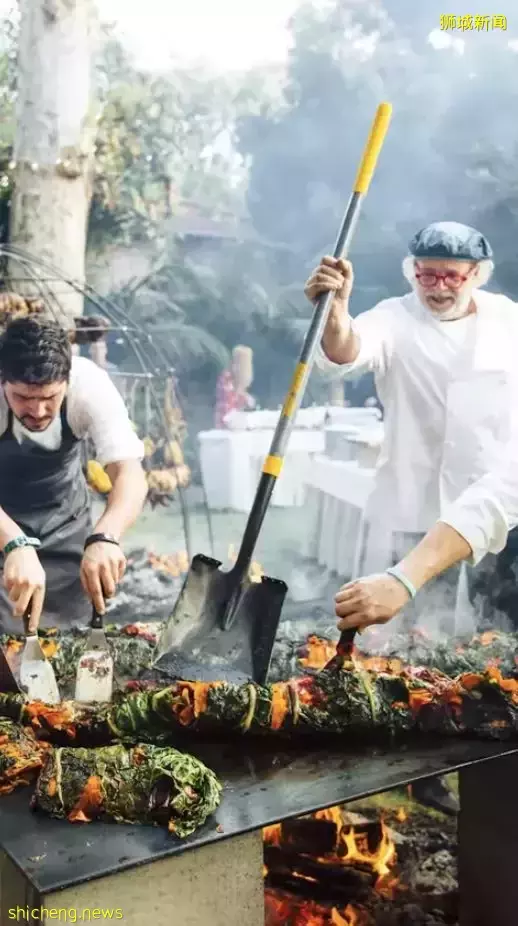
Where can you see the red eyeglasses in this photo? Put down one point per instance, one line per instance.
(451, 279)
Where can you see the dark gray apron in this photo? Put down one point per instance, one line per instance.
(46, 494)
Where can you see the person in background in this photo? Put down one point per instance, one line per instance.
(55, 560)
(442, 358)
(233, 385)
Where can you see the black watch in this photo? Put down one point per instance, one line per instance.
(101, 538)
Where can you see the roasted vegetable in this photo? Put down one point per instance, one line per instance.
(132, 648)
(144, 784)
(173, 453)
(344, 703)
(21, 756)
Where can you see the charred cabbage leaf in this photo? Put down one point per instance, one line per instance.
(343, 703)
(144, 784)
(21, 756)
(132, 648)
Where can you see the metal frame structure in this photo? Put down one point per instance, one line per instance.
(44, 279)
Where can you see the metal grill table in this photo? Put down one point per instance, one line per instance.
(215, 876)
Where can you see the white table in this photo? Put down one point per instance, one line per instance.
(336, 494)
(231, 462)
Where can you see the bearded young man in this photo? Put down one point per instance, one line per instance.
(442, 358)
(55, 561)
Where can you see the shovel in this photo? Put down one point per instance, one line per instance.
(37, 679)
(223, 625)
(7, 680)
(94, 679)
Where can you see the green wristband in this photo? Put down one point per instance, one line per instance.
(21, 541)
(397, 574)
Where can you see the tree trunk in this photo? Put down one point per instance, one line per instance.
(54, 147)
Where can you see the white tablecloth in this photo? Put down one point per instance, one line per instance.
(231, 464)
(336, 495)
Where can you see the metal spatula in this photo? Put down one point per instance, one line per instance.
(344, 650)
(94, 679)
(37, 678)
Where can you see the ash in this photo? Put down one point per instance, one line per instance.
(298, 623)
(145, 593)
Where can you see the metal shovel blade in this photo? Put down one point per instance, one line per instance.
(194, 644)
(94, 678)
(7, 679)
(37, 677)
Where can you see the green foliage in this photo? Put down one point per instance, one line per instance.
(450, 151)
(157, 147)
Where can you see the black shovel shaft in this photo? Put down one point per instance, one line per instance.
(273, 463)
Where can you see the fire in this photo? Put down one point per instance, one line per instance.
(272, 834)
(331, 815)
(401, 815)
(380, 860)
(352, 846)
(255, 571)
(348, 917)
(317, 652)
(281, 910)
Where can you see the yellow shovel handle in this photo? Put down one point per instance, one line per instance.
(373, 147)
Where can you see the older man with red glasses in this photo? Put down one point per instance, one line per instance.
(442, 356)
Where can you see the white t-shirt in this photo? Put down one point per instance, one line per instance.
(95, 410)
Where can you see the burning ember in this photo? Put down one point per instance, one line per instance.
(285, 910)
(316, 653)
(326, 855)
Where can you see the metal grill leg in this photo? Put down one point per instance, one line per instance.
(488, 843)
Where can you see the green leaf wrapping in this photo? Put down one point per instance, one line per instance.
(21, 756)
(348, 702)
(144, 784)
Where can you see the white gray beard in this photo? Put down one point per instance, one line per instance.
(457, 310)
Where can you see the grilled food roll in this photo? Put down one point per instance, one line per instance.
(342, 703)
(144, 784)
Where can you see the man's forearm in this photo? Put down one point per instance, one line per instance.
(441, 548)
(339, 342)
(8, 529)
(126, 499)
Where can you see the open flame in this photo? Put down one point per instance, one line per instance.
(255, 572)
(353, 846)
(317, 652)
(283, 910)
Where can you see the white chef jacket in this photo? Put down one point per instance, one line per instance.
(448, 390)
